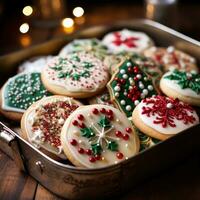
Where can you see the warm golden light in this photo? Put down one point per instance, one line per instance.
(24, 28)
(25, 40)
(27, 10)
(78, 12)
(67, 22)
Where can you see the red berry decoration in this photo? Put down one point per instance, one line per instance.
(103, 110)
(88, 152)
(97, 157)
(119, 155)
(73, 142)
(81, 117)
(128, 130)
(109, 112)
(75, 122)
(125, 136)
(81, 150)
(95, 111)
(82, 125)
(118, 133)
(92, 159)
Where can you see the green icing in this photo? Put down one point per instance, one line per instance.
(112, 145)
(96, 148)
(128, 104)
(87, 132)
(104, 122)
(23, 90)
(186, 80)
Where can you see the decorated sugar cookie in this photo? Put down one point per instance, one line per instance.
(171, 58)
(103, 98)
(91, 45)
(34, 65)
(162, 117)
(182, 85)
(127, 40)
(78, 75)
(128, 86)
(42, 123)
(97, 136)
(19, 92)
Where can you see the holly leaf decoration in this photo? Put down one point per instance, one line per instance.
(112, 145)
(76, 76)
(104, 122)
(87, 132)
(85, 74)
(96, 148)
(186, 80)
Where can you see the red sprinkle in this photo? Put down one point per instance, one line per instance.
(118, 133)
(103, 110)
(88, 152)
(82, 125)
(81, 117)
(75, 122)
(109, 112)
(95, 111)
(119, 155)
(73, 142)
(81, 150)
(125, 136)
(128, 130)
(92, 159)
(97, 157)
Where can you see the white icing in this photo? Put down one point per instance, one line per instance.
(83, 45)
(180, 126)
(98, 73)
(172, 84)
(34, 64)
(109, 157)
(143, 43)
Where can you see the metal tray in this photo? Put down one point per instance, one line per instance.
(76, 183)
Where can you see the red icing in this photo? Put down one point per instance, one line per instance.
(128, 41)
(166, 115)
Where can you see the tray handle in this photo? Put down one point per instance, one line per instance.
(10, 140)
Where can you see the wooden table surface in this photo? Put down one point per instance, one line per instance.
(180, 182)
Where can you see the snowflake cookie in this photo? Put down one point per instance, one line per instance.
(19, 92)
(79, 75)
(162, 117)
(171, 58)
(97, 136)
(182, 85)
(129, 85)
(91, 45)
(41, 124)
(127, 41)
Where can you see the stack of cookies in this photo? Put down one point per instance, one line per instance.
(98, 103)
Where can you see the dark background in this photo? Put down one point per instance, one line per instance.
(96, 12)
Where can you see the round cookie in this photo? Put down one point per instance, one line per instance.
(103, 98)
(171, 58)
(19, 92)
(79, 75)
(127, 41)
(41, 124)
(98, 136)
(129, 85)
(91, 45)
(34, 64)
(182, 85)
(162, 117)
